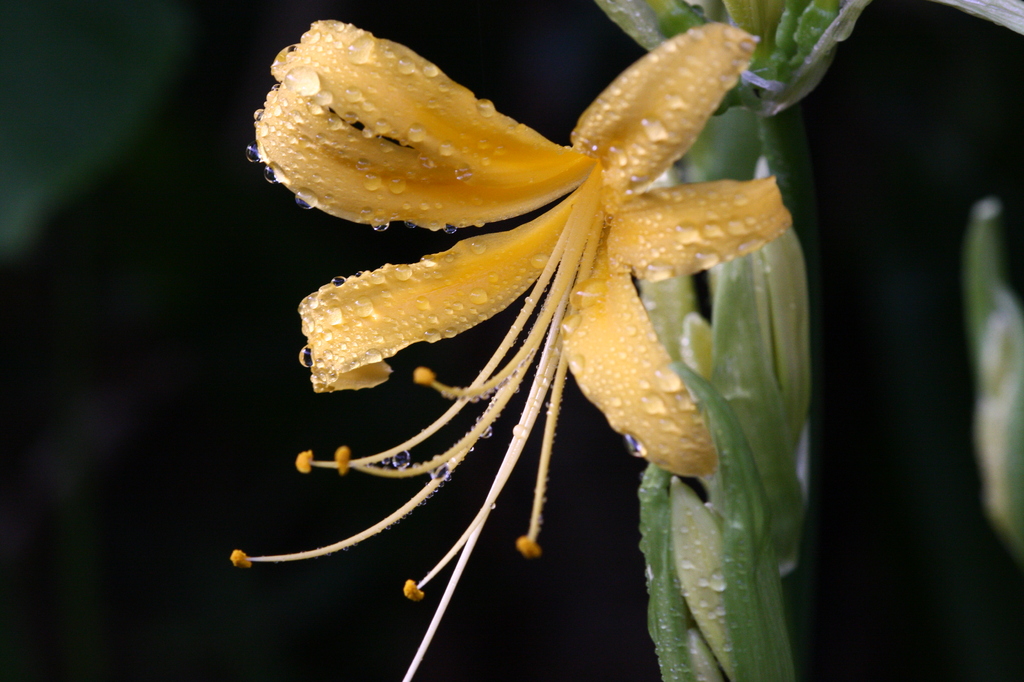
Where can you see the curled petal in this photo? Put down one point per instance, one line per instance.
(620, 366)
(681, 230)
(367, 130)
(651, 114)
(354, 324)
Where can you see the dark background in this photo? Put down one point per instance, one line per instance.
(153, 405)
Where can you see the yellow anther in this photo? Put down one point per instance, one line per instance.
(303, 461)
(240, 559)
(528, 548)
(424, 376)
(411, 591)
(341, 457)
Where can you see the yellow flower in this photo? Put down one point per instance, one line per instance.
(367, 130)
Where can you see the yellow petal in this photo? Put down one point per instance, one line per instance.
(681, 230)
(367, 130)
(354, 324)
(651, 114)
(620, 366)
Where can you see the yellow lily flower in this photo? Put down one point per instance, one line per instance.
(367, 130)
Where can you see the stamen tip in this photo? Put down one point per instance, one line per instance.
(341, 457)
(302, 462)
(240, 559)
(528, 547)
(411, 591)
(424, 376)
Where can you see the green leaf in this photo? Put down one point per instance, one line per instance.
(753, 590)
(85, 75)
(995, 334)
(744, 372)
(668, 618)
(636, 18)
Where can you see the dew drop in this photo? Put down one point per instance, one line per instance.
(302, 80)
(360, 50)
(485, 107)
(373, 355)
(450, 229)
(570, 324)
(653, 404)
(654, 129)
(577, 363)
(271, 175)
(363, 306)
(667, 380)
(478, 296)
(442, 472)
(430, 71)
(716, 582)
(372, 182)
(422, 303)
(539, 260)
(432, 335)
(306, 356)
(417, 133)
(403, 272)
(488, 432)
(401, 460)
(464, 173)
(405, 67)
(520, 431)
(590, 291)
(306, 198)
(324, 98)
(338, 281)
(477, 247)
(252, 152)
(396, 185)
(380, 227)
(634, 447)
(446, 148)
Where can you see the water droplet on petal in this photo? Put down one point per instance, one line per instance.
(372, 182)
(485, 107)
(363, 306)
(654, 129)
(577, 363)
(417, 133)
(401, 460)
(634, 447)
(653, 404)
(373, 355)
(488, 432)
(430, 71)
(396, 185)
(306, 198)
(478, 296)
(668, 381)
(450, 229)
(306, 356)
(303, 80)
(442, 472)
(252, 152)
(405, 67)
(360, 50)
(403, 272)
(381, 227)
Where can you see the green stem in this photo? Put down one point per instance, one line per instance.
(784, 145)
